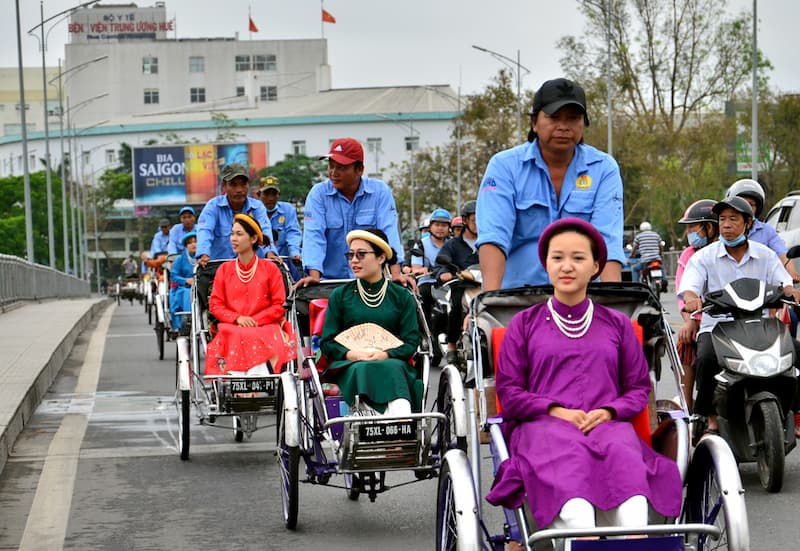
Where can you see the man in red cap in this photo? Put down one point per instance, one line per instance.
(346, 201)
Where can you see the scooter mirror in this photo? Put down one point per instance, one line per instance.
(794, 252)
(445, 260)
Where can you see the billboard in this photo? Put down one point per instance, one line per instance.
(180, 174)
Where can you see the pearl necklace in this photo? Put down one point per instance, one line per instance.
(372, 300)
(246, 275)
(574, 329)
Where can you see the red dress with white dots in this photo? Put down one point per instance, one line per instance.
(262, 298)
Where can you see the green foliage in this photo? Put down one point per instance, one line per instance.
(12, 217)
(225, 128)
(296, 174)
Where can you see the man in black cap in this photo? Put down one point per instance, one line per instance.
(554, 175)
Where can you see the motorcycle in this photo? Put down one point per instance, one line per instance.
(756, 387)
(652, 276)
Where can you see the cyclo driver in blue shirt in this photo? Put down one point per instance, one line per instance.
(216, 219)
(283, 217)
(346, 201)
(554, 175)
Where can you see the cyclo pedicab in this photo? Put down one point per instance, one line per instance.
(215, 399)
(713, 513)
(315, 424)
(159, 286)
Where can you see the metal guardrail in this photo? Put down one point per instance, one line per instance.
(21, 280)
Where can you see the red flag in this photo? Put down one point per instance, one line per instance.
(253, 28)
(327, 17)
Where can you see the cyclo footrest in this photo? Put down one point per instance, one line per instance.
(379, 443)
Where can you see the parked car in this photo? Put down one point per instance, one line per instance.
(784, 216)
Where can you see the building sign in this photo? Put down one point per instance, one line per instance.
(180, 174)
(111, 23)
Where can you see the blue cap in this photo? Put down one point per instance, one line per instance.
(186, 237)
(186, 209)
(440, 215)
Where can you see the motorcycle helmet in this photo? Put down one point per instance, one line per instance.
(645, 226)
(457, 222)
(748, 188)
(736, 203)
(468, 208)
(424, 223)
(440, 215)
(700, 211)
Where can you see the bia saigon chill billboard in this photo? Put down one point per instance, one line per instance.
(180, 174)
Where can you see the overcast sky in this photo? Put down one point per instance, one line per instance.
(400, 42)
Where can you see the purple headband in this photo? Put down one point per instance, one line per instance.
(583, 227)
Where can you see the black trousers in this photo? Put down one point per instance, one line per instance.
(456, 318)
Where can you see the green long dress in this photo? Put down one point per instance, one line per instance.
(378, 382)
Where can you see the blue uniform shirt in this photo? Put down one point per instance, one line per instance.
(216, 221)
(763, 233)
(176, 238)
(284, 220)
(329, 216)
(431, 252)
(159, 243)
(516, 201)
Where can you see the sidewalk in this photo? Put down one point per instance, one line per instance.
(35, 340)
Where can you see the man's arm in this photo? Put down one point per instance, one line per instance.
(386, 213)
(612, 271)
(206, 224)
(294, 237)
(607, 213)
(493, 266)
(314, 242)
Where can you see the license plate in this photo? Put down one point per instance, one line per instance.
(656, 273)
(400, 430)
(245, 386)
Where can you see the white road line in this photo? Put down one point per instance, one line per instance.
(46, 527)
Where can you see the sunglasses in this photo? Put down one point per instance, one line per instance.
(358, 254)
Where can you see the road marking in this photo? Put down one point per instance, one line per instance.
(46, 527)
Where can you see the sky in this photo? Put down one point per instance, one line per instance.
(405, 42)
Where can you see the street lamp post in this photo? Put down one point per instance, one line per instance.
(754, 129)
(25, 169)
(517, 67)
(61, 112)
(411, 147)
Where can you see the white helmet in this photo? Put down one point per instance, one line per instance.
(645, 226)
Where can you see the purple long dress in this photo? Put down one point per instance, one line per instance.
(551, 460)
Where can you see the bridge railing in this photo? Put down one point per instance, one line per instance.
(21, 280)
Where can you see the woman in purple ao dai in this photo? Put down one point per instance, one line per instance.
(571, 375)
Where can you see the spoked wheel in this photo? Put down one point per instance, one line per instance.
(353, 486)
(457, 527)
(183, 404)
(446, 431)
(160, 334)
(770, 455)
(289, 462)
(238, 434)
(714, 496)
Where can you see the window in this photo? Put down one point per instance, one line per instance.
(239, 91)
(197, 64)
(111, 156)
(242, 62)
(298, 147)
(197, 95)
(269, 93)
(32, 162)
(412, 143)
(150, 65)
(374, 145)
(86, 157)
(265, 62)
(150, 96)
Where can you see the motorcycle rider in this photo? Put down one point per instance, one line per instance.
(702, 228)
(710, 269)
(647, 246)
(761, 232)
(456, 226)
(462, 253)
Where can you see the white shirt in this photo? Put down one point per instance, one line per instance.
(711, 268)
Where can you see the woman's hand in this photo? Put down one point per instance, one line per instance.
(246, 321)
(585, 421)
(366, 355)
(687, 334)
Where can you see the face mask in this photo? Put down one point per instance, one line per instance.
(733, 242)
(696, 241)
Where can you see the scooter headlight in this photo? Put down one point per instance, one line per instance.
(760, 365)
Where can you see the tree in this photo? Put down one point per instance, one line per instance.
(296, 174)
(226, 128)
(674, 64)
